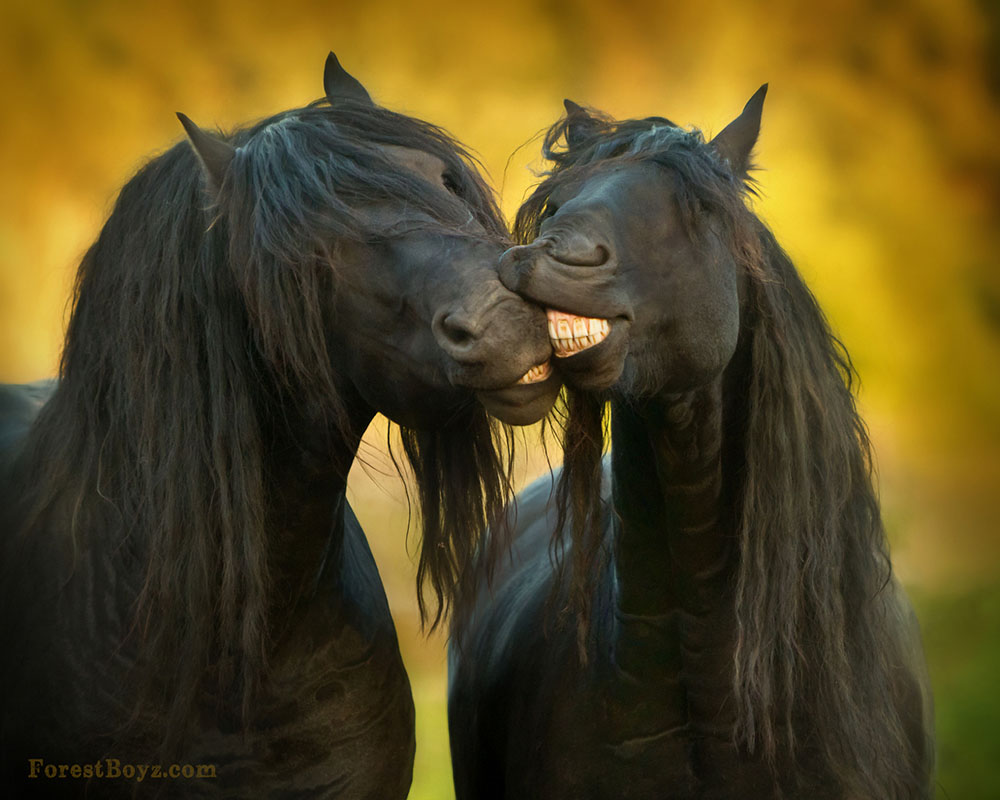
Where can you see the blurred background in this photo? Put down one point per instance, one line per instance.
(881, 176)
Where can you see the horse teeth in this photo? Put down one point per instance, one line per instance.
(537, 373)
(570, 334)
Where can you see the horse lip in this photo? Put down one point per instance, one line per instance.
(580, 290)
(479, 377)
(521, 403)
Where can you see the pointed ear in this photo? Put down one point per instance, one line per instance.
(214, 154)
(579, 124)
(735, 142)
(339, 84)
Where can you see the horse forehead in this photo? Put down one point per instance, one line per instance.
(421, 162)
(629, 186)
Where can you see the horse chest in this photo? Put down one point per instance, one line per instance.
(336, 718)
(636, 739)
(603, 741)
(642, 733)
(664, 716)
(337, 723)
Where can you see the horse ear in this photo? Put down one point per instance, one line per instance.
(214, 154)
(735, 142)
(339, 84)
(579, 124)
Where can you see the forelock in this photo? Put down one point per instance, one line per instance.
(306, 174)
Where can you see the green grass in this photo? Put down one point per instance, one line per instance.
(962, 639)
(432, 768)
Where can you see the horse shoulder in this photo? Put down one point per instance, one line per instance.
(516, 684)
(339, 709)
(19, 405)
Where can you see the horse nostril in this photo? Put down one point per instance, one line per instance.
(579, 251)
(454, 332)
(601, 256)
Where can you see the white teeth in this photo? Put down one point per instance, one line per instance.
(571, 334)
(537, 373)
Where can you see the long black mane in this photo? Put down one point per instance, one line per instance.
(813, 656)
(197, 331)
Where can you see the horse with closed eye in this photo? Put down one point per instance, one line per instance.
(712, 613)
(183, 578)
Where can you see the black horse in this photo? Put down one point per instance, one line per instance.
(183, 581)
(722, 620)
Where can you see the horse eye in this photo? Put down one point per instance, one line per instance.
(449, 183)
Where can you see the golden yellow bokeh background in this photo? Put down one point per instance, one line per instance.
(881, 176)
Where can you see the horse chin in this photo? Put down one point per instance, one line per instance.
(522, 403)
(600, 366)
(423, 406)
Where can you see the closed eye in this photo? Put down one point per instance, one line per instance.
(449, 183)
(548, 210)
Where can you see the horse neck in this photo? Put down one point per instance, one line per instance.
(672, 548)
(674, 558)
(306, 501)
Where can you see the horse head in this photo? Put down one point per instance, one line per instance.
(386, 221)
(633, 254)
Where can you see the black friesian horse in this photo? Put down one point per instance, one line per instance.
(734, 629)
(183, 581)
